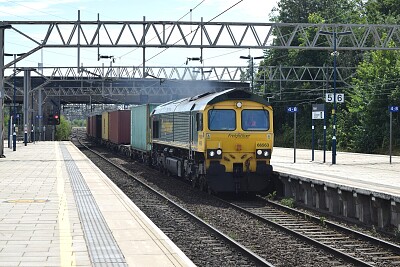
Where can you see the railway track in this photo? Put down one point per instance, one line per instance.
(256, 225)
(208, 246)
(353, 246)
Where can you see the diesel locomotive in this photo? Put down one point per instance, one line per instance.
(220, 142)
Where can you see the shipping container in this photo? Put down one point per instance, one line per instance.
(140, 126)
(88, 121)
(119, 127)
(96, 126)
(104, 125)
(92, 126)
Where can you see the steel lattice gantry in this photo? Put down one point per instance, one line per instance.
(120, 82)
(181, 34)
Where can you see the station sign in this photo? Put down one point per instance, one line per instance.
(394, 108)
(292, 109)
(329, 98)
(318, 111)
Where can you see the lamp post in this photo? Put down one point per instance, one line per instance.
(14, 101)
(3, 27)
(251, 68)
(334, 141)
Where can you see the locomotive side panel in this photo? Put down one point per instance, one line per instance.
(181, 127)
(166, 121)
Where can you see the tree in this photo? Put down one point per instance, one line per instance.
(382, 11)
(374, 89)
(63, 131)
(304, 93)
(78, 123)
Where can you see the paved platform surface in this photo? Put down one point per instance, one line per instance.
(58, 209)
(371, 173)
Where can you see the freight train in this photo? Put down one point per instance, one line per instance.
(220, 142)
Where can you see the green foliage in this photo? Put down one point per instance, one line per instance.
(271, 196)
(78, 123)
(63, 131)
(366, 121)
(382, 11)
(288, 202)
(322, 220)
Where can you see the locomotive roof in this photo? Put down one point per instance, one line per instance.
(199, 102)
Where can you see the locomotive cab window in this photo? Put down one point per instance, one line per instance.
(156, 129)
(255, 120)
(221, 120)
(199, 121)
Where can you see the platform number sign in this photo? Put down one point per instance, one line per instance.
(292, 109)
(330, 98)
(318, 111)
(394, 108)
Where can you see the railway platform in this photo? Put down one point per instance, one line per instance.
(58, 209)
(367, 173)
(362, 187)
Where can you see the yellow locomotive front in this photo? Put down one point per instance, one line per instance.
(237, 142)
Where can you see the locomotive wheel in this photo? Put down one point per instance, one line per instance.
(202, 183)
(194, 182)
(209, 190)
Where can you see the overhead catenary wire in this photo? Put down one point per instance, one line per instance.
(165, 29)
(192, 32)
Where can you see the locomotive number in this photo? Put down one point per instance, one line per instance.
(262, 145)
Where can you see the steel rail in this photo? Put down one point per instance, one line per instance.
(252, 256)
(327, 248)
(395, 248)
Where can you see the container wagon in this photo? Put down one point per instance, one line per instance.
(95, 128)
(88, 124)
(140, 139)
(119, 127)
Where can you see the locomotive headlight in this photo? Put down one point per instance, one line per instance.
(263, 153)
(239, 104)
(215, 153)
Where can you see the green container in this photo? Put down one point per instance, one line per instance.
(140, 127)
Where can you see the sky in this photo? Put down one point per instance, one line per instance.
(131, 10)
